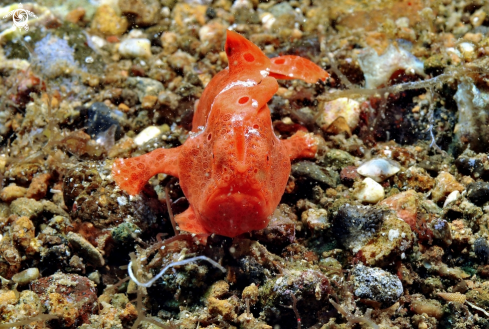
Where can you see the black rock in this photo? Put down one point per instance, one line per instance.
(354, 225)
(310, 170)
(478, 192)
(99, 118)
(211, 13)
(470, 166)
(481, 249)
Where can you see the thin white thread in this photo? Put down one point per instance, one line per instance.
(159, 275)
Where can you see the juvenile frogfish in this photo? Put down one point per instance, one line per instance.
(232, 168)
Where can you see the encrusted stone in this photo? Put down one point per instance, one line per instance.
(376, 284)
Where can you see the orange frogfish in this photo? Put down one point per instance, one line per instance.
(232, 168)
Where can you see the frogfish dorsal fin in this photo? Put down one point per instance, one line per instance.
(246, 60)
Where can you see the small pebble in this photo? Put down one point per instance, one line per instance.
(354, 225)
(144, 87)
(86, 249)
(478, 192)
(251, 292)
(99, 120)
(98, 41)
(125, 233)
(369, 191)
(406, 205)
(12, 192)
(376, 284)
(429, 307)
(470, 166)
(316, 219)
(149, 102)
(71, 297)
(106, 21)
(95, 277)
(468, 51)
(481, 249)
(27, 276)
(169, 42)
(147, 134)
(445, 184)
(8, 297)
(309, 169)
(135, 48)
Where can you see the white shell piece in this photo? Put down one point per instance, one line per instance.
(147, 134)
(370, 191)
(451, 197)
(379, 169)
(341, 107)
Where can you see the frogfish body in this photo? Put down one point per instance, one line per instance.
(232, 169)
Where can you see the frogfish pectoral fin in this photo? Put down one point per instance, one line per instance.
(132, 174)
(301, 145)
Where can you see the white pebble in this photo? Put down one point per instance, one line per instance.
(27, 276)
(147, 134)
(122, 200)
(135, 48)
(468, 50)
(165, 12)
(370, 191)
(136, 34)
(267, 20)
(98, 41)
(393, 234)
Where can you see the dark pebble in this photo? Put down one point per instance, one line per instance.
(470, 166)
(317, 173)
(481, 249)
(99, 118)
(354, 225)
(478, 192)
